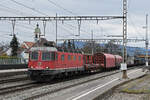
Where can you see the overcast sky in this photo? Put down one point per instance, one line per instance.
(137, 10)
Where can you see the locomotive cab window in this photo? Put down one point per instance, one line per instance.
(49, 56)
(34, 55)
(46, 56)
(56, 56)
(52, 55)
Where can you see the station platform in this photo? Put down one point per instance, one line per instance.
(95, 90)
(9, 72)
(12, 70)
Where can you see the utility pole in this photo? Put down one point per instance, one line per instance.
(124, 64)
(92, 42)
(56, 28)
(146, 41)
(13, 25)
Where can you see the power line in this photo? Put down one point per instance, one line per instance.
(42, 12)
(134, 26)
(57, 5)
(35, 10)
(8, 10)
(67, 30)
(13, 10)
(38, 10)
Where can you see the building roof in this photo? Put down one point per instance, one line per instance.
(27, 45)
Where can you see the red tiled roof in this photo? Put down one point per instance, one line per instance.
(23, 46)
(27, 45)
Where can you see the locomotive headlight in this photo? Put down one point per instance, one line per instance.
(47, 67)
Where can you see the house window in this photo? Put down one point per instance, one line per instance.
(34, 55)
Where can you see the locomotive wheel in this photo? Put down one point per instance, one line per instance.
(48, 78)
(42, 78)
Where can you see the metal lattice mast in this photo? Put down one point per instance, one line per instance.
(124, 30)
(124, 64)
(56, 28)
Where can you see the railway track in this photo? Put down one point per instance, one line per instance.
(47, 88)
(16, 78)
(73, 85)
(12, 89)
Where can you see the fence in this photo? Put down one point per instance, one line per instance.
(11, 60)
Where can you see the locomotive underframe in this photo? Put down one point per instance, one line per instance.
(53, 71)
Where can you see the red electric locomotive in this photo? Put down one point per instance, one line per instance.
(48, 61)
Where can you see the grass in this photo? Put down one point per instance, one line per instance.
(131, 87)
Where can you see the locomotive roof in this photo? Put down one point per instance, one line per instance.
(43, 49)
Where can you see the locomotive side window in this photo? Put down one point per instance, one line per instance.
(34, 55)
(69, 57)
(62, 57)
(56, 56)
(52, 55)
(46, 56)
(74, 57)
(85, 59)
(79, 58)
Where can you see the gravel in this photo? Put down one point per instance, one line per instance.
(138, 89)
(48, 88)
(125, 96)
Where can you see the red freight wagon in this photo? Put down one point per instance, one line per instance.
(104, 60)
(88, 63)
(118, 60)
(88, 59)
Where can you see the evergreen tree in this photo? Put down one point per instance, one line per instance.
(87, 48)
(14, 44)
(112, 48)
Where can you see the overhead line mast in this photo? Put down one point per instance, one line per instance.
(124, 64)
(146, 41)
